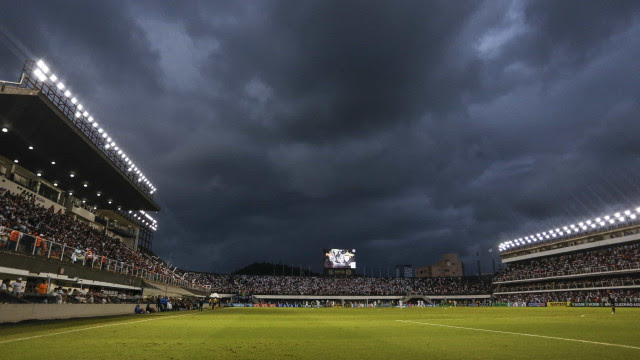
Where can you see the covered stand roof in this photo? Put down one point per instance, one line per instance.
(42, 138)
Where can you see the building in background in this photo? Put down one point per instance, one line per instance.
(404, 271)
(448, 265)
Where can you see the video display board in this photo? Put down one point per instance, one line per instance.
(339, 258)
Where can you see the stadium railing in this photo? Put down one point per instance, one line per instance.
(584, 285)
(595, 270)
(65, 253)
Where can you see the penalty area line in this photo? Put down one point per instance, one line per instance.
(90, 328)
(523, 334)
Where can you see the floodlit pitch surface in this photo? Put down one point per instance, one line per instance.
(261, 333)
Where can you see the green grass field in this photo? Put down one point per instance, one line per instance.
(243, 333)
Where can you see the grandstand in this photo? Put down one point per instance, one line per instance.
(595, 261)
(77, 212)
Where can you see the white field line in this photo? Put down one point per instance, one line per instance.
(498, 318)
(90, 328)
(524, 334)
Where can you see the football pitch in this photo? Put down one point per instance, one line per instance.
(292, 333)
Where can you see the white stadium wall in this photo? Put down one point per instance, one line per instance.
(21, 312)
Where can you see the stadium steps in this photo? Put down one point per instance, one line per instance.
(159, 289)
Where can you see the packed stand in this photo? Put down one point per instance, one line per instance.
(599, 260)
(593, 296)
(20, 212)
(297, 285)
(582, 283)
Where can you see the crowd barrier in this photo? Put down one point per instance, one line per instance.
(64, 253)
(596, 270)
(22, 312)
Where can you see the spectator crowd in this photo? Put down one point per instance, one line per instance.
(20, 212)
(592, 296)
(599, 260)
(297, 285)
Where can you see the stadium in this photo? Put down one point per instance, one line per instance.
(80, 277)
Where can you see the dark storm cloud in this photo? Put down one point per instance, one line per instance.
(404, 129)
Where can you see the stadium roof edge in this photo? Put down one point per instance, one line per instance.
(29, 120)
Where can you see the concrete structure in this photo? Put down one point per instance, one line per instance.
(21, 312)
(448, 265)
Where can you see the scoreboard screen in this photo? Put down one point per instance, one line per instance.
(339, 258)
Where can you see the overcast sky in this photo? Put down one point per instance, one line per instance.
(274, 129)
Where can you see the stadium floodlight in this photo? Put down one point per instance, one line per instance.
(72, 174)
(581, 224)
(107, 146)
(632, 216)
(85, 114)
(638, 209)
(53, 163)
(40, 75)
(598, 220)
(565, 228)
(572, 226)
(602, 223)
(588, 222)
(627, 212)
(55, 183)
(593, 226)
(109, 201)
(5, 130)
(99, 194)
(74, 100)
(95, 124)
(39, 174)
(85, 185)
(109, 140)
(78, 114)
(53, 78)
(607, 217)
(621, 218)
(30, 147)
(60, 86)
(67, 93)
(616, 214)
(104, 135)
(15, 161)
(611, 221)
(70, 193)
(80, 107)
(43, 66)
(100, 130)
(90, 119)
